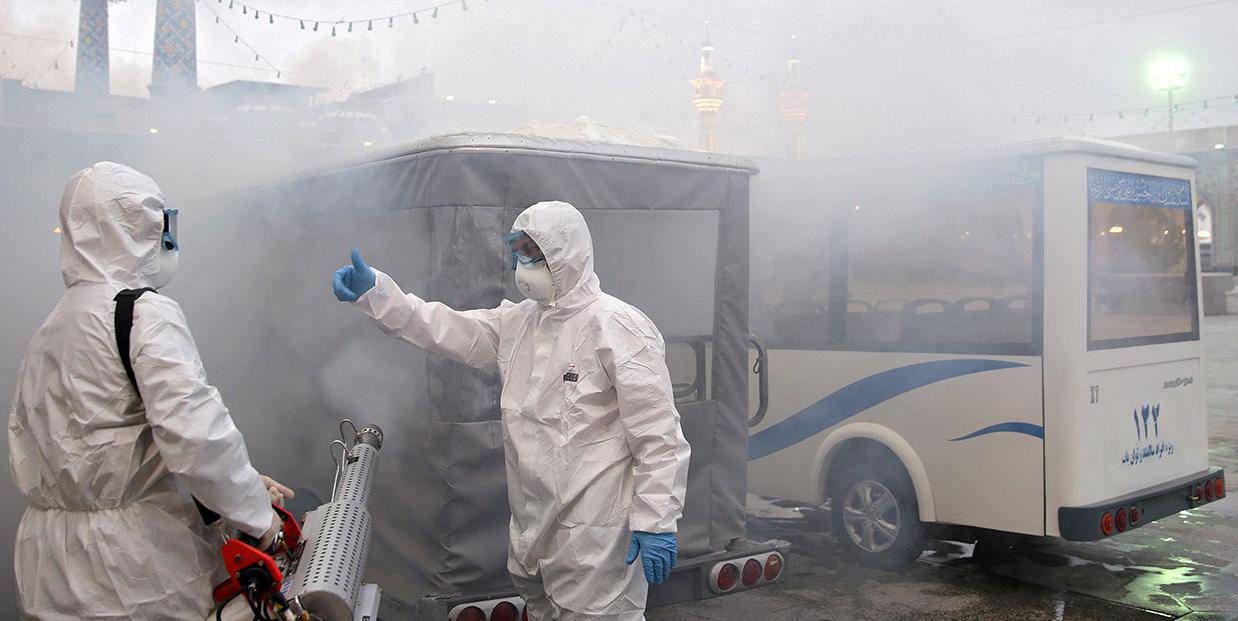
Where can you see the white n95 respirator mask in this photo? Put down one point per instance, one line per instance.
(168, 262)
(535, 282)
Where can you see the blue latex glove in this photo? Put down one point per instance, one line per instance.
(352, 281)
(657, 552)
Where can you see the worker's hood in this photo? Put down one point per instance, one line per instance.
(560, 231)
(111, 220)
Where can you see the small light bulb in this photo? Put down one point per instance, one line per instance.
(1218, 146)
(154, 130)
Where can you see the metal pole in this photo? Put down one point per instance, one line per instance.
(1170, 92)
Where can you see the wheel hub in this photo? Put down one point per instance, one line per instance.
(871, 516)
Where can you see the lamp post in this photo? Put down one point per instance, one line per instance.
(1168, 74)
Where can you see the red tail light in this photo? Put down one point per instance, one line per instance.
(1106, 524)
(773, 567)
(1135, 515)
(1119, 518)
(1220, 485)
(727, 577)
(472, 613)
(1209, 491)
(505, 611)
(524, 614)
(752, 572)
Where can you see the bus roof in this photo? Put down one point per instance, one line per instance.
(956, 155)
(516, 144)
(1096, 146)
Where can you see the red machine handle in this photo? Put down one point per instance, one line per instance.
(247, 565)
(292, 529)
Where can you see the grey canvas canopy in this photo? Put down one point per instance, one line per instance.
(671, 235)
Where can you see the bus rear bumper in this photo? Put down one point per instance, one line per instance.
(1108, 518)
(693, 579)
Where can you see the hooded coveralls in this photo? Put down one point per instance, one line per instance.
(591, 435)
(109, 534)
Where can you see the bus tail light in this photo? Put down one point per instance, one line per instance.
(472, 613)
(746, 572)
(773, 567)
(498, 609)
(1220, 487)
(1209, 491)
(505, 611)
(1119, 518)
(727, 577)
(1106, 524)
(752, 572)
(1135, 515)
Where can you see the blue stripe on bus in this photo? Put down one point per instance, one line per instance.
(858, 396)
(1036, 431)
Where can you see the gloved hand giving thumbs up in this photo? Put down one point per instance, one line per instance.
(352, 281)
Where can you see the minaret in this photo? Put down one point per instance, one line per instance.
(707, 97)
(91, 77)
(794, 106)
(175, 68)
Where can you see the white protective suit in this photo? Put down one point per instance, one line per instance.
(588, 461)
(109, 533)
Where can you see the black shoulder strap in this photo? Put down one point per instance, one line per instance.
(124, 327)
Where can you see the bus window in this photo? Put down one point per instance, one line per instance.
(1141, 282)
(944, 263)
(688, 360)
(790, 264)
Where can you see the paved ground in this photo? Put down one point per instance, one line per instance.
(1184, 567)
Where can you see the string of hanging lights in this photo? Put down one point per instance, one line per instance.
(1224, 101)
(237, 40)
(6, 58)
(648, 23)
(345, 24)
(55, 64)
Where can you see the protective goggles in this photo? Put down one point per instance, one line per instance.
(524, 250)
(169, 229)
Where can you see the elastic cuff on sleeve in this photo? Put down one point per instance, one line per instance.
(384, 289)
(647, 524)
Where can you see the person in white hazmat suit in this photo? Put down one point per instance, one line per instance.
(109, 533)
(597, 465)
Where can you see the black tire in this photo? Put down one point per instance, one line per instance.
(876, 473)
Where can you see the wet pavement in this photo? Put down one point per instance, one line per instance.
(1183, 567)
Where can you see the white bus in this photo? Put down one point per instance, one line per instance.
(1008, 342)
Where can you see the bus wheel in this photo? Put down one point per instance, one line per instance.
(874, 514)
